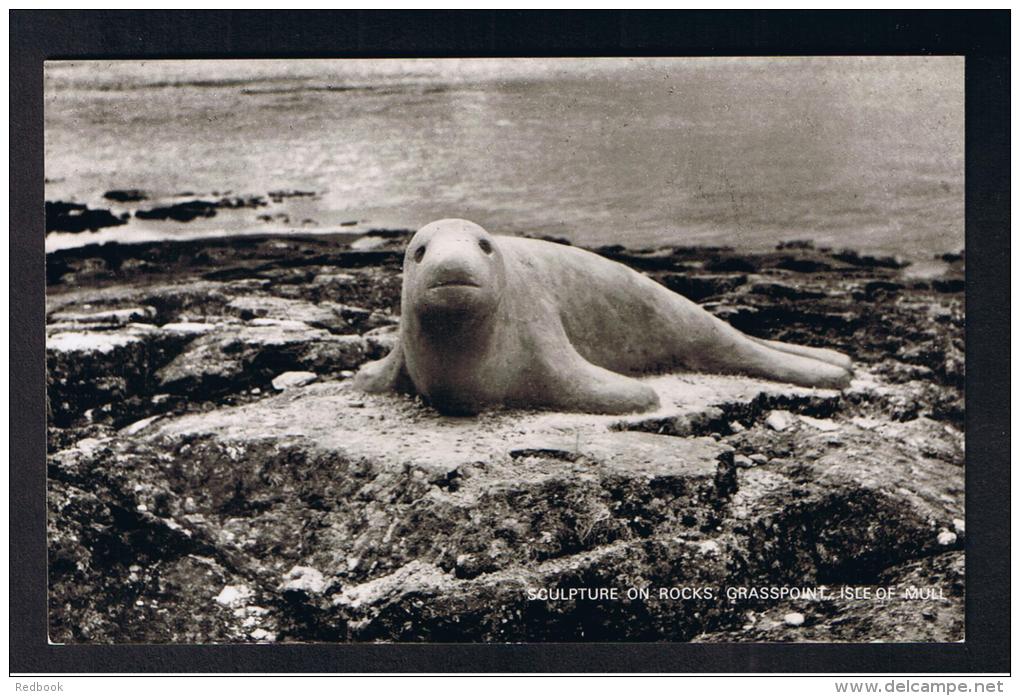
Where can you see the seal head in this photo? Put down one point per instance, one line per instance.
(455, 279)
(453, 276)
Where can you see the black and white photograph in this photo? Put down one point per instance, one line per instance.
(505, 350)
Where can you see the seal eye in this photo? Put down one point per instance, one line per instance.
(485, 245)
(419, 253)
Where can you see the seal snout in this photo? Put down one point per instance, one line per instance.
(453, 262)
(453, 279)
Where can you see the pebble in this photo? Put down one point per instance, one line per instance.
(233, 594)
(779, 420)
(794, 618)
(958, 525)
(946, 538)
(825, 425)
(291, 380)
(304, 579)
(759, 459)
(709, 547)
(263, 635)
(742, 462)
(737, 427)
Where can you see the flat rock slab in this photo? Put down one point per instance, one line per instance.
(417, 526)
(398, 429)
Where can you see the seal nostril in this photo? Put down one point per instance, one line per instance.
(419, 253)
(485, 245)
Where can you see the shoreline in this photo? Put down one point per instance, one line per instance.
(134, 216)
(945, 265)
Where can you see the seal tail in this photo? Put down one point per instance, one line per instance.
(732, 350)
(824, 354)
(791, 364)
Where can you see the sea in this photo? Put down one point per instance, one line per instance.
(849, 152)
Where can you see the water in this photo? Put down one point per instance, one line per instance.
(850, 152)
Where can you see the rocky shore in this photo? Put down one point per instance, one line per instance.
(212, 478)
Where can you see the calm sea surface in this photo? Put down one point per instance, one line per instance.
(850, 152)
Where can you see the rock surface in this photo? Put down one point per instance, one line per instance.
(75, 217)
(190, 501)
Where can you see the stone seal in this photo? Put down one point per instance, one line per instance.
(490, 321)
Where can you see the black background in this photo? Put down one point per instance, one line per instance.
(981, 36)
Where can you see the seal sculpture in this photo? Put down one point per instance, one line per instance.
(490, 321)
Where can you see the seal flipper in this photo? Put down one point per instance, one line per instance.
(387, 374)
(574, 384)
